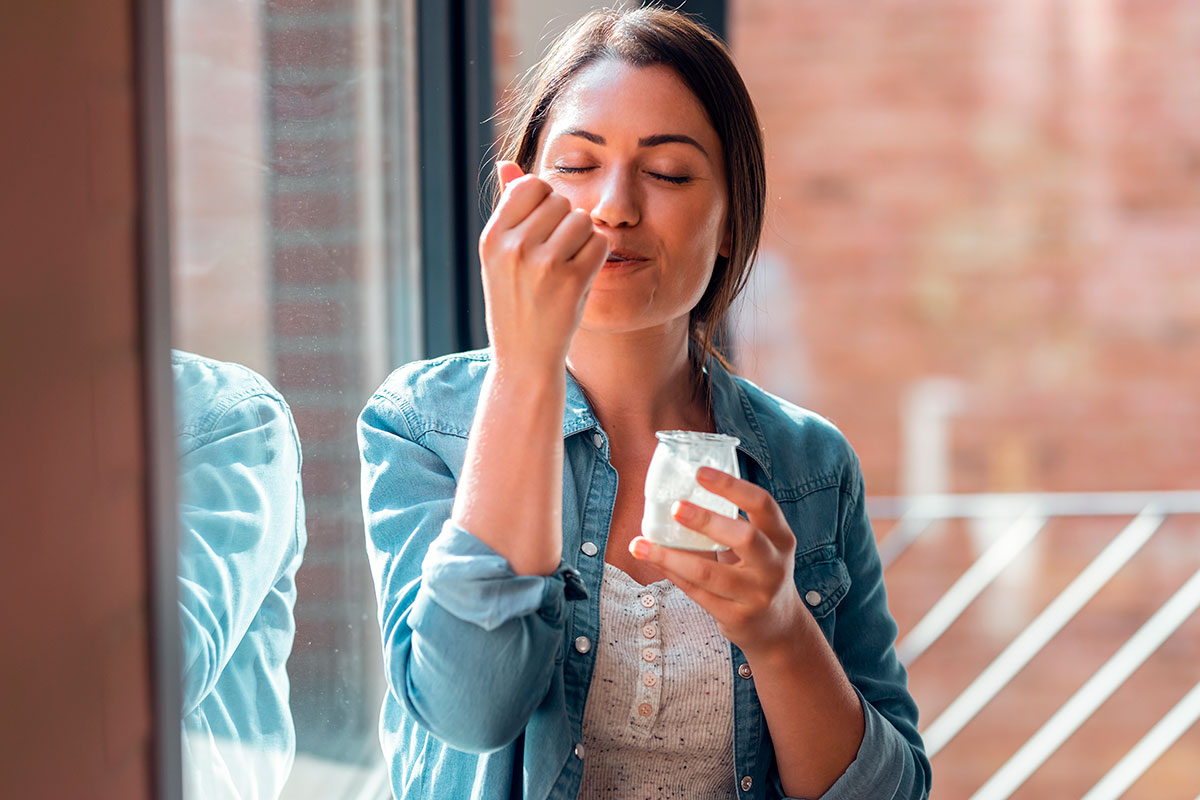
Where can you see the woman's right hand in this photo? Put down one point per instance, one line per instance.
(538, 258)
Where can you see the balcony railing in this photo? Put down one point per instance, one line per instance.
(1137, 517)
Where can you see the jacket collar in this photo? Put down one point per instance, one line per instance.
(731, 412)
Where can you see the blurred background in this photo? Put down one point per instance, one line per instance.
(982, 262)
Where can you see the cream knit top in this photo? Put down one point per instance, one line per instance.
(658, 723)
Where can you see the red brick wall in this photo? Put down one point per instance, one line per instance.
(1003, 194)
(74, 675)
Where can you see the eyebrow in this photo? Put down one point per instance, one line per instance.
(645, 141)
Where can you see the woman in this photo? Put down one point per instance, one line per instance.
(536, 645)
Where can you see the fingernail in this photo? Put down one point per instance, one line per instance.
(679, 510)
(639, 547)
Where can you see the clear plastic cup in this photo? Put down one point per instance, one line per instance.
(672, 476)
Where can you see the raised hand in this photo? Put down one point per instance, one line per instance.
(539, 258)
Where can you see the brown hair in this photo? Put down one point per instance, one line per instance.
(643, 37)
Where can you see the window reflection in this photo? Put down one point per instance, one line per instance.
(241, 541)
(295, 255)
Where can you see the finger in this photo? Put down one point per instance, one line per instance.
(571, 234)
(541, 223)
(520, 198)
(760, 507)
(737, 534)
(719, 608)
(713, 576)
(590, 258)
(507, 172)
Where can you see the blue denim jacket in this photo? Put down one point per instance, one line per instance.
(485, 693)
(241, 540)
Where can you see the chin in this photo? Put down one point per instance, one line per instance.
(605, 313)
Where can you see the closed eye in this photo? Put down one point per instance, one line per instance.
(677, 180)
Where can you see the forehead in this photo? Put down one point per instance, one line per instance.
(632, 101)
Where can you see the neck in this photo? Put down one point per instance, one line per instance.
(639, 382)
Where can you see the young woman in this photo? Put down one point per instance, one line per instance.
(535, 644)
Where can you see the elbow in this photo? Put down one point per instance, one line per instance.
(469, 725)
(483, 738)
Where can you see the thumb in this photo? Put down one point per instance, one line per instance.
(507, 172)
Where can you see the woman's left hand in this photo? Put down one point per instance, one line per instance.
(749, 590)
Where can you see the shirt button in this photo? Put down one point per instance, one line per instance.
(597, 440)
(583, 644)
(648, 655)
(648, 601)
(589, 548)
(813, 598)
(649, 630)
(645, 709)
(744, 671)
(649, 678)
(747, 782)
(579, 751)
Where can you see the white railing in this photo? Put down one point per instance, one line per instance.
(1031, 512)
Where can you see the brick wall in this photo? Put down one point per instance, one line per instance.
(1000, 194)
(74, 676)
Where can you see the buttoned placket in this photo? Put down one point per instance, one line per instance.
(647, 700)
(601, 494)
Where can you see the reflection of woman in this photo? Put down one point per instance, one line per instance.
(241, 540)
(535, 644)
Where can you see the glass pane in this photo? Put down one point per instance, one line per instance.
(295, 256)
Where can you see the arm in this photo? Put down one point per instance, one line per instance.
(240, 522)
(468, 645)
(538, 258)
(891, 763)
(469, 642)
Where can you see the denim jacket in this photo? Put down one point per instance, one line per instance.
(241, 540)
(485, 689)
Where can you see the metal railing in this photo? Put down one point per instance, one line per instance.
(1030, 515)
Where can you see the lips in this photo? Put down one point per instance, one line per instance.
(620, 256)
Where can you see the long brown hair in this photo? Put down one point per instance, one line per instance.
(643, 37)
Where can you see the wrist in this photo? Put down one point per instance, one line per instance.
(786, 643)
(526, 371)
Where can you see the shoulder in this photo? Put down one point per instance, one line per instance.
(435, 394)
(208, 391)
(807, 452)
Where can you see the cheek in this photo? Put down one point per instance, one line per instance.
(705, 226)
(575, 196)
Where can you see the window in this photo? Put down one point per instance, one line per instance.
(294, 229)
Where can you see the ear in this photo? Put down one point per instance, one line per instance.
(726, 245)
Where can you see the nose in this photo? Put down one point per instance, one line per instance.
(617, 205)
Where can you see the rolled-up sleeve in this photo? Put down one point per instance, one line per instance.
(883, 768)
(469, 646)
(473, 582)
